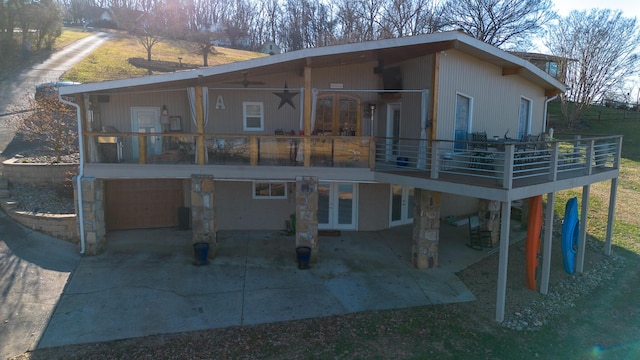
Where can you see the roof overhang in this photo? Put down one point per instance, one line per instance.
(385, 52)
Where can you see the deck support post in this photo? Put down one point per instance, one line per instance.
(307, 214)
(505, 226)
(611, 216)
(548, 238)
(582, 242)
(426, 229)
(203, 212)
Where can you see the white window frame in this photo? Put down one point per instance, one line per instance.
(245, 115)
(270, 196)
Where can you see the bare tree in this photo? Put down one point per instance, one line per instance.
(411, 17)
(51, 121)
(603, 46)
(502, 23)
(204, 40)
(149, 32)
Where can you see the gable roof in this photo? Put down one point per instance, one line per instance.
(389, 52)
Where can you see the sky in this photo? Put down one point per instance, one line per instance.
(630, 8)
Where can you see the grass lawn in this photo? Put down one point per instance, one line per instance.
(68, 36)
(111, 61)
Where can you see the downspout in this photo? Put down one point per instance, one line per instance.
(80, 171)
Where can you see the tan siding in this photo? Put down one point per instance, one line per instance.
(237, 210)
(496, 98)
(373, 207)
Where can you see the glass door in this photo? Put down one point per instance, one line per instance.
(401, 205)
(337, 205)
(147, 121)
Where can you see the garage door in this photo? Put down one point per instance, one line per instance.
(142, 203)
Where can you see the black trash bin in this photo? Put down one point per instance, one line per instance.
(184, 218)
(201, 253)
(304, 255)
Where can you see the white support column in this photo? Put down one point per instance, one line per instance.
(548, 238)
(611, 217)
(582, 242)
(505, 226)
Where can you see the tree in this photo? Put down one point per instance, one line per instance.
(51, 122)
(204, 41)
(506, 24)
(601, 46)
(148, 32)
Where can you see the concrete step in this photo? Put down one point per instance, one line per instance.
(4, 184)
(9, 204)
(4, 194)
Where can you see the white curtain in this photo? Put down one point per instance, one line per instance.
(422, 149)
(191, 93)
(92, 144)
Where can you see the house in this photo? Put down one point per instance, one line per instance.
(355, 137)
(270, 48)
(555, 66)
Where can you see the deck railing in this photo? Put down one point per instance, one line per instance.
(500, 162)
(260, 150)
(503, 162)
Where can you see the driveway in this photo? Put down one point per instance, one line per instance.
(34, 270)
(14, 88)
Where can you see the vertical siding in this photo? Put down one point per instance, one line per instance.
(496, 98)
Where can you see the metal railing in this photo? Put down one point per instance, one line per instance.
(501, 162)
(504, 162)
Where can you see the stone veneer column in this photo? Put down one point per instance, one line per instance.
(93, 215)
(307, 214)
(203, 223)
(426, 229)
(489, 215)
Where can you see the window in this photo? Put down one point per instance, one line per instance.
(551, 67)
(464, 105)
(269, 190)
(253, 116)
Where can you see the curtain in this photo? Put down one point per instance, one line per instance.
(92, 145)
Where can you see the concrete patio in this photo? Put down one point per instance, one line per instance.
(146, 281)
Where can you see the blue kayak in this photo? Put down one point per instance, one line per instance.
(570, 235)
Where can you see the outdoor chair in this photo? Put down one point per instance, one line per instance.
(480, 157)
(478, 238)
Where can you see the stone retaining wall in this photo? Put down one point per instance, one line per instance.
(29, 173)
(61, 226)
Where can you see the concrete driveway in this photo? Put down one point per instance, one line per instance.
(145, 283)
(34, 270)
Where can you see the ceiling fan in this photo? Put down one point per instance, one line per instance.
(245, 82)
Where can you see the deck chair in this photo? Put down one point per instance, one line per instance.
(478, 238)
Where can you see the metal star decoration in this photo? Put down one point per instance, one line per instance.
(286, 97)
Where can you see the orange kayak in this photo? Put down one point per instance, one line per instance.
(534, 227)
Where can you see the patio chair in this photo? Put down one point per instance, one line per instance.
(480, 157)
(478, 238)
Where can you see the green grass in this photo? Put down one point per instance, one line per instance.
(110, 61)
(69, 36)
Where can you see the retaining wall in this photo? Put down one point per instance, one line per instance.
(29, 173)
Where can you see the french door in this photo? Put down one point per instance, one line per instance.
(337, 205)
(401, 205)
